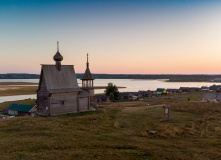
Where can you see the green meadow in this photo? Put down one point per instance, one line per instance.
(118, 130)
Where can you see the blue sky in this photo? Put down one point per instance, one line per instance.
(120, 36)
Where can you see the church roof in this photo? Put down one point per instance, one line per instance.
(60, 81)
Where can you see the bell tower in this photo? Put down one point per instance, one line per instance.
(88, 80)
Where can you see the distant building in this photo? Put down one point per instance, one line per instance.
(214, 88)
(129, 95)
(185, 89)
(147, 93)
(102, 99)
(193, 89)
(58, 91)
(205, 88)
(161, 91)
(136, 95)
(125, 95)
(169, 90)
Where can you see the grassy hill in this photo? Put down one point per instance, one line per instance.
(118, 131)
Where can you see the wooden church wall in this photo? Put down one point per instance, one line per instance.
(43, 98)
(63, 103)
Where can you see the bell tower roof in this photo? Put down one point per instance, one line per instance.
(87, 73)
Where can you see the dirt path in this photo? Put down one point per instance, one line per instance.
(138, 109)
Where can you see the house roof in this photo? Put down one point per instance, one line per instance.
(218, 97)
(214, 87)
(123, 94)
(21, 107)
(60, 81)
(204, 87)
(145, 92)
(84, 94)
(210, 95)
(172, 90)
(160, 89)
(195, 88)
(184, 87)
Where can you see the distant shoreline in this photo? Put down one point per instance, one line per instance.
(168, 77)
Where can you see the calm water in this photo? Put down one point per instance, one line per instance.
(131, 84)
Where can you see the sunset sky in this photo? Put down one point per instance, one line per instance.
(121, 36)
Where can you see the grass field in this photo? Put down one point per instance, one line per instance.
(118, 130)
(18, 83)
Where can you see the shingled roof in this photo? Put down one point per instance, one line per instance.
(87, 75)
(210, 95)
(60, 81)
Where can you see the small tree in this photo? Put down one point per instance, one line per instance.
(111, 96)
(112, 89)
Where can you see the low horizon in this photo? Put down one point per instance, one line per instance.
(142, 37)
(120, 74)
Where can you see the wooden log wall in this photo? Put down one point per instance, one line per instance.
(43, 98)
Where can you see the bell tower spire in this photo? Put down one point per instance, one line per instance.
(87, 61)
(57, 46)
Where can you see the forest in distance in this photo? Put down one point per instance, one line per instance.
(170, 77)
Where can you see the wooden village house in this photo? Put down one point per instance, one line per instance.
(147, 93)
(204, 88)
(21, 110)
(195, 89)
(102, 98)
(215, 88)
(185, 89)
(172, 90)
(58, 91)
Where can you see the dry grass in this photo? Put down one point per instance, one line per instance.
(17, 90)
(117, 131)
(18, 83)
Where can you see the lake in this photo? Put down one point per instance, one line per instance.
(131, 84)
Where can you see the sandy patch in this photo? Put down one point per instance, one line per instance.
(3, 88)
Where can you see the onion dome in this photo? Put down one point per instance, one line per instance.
(58, 56)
